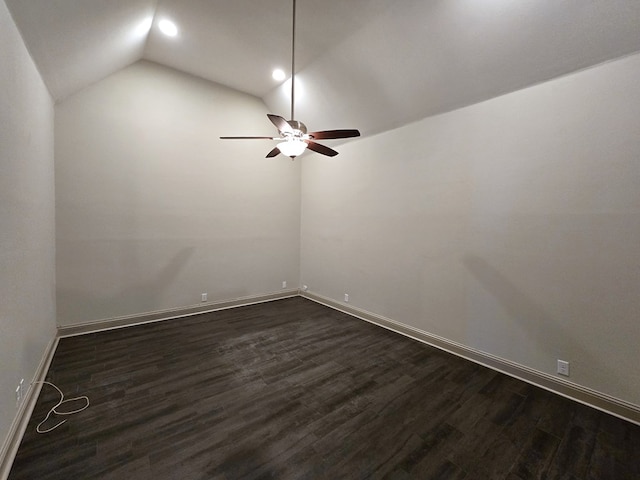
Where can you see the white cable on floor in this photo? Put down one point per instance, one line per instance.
(53, 409)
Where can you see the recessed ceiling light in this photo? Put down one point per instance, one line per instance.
(168, 28)
(278, 75)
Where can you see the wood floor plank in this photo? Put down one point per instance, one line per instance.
(294, 390)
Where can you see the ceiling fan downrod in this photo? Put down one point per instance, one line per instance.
(293, 61)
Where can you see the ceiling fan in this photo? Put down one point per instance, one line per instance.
(293, 136)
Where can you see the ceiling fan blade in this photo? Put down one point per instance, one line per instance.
(273, 153)
(330, 134)
(281, 124)
(247, 138)
(316, 147)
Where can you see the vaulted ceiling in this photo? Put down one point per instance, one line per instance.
(367, 64)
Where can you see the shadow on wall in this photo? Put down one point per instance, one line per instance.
(529, 315)
(515, 303)
(76, 306)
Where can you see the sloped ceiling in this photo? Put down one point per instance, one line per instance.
(367, 64)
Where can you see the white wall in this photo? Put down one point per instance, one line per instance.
(27, 300)
(511, 226)
(153, 209)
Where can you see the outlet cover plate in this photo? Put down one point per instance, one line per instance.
(563, 368)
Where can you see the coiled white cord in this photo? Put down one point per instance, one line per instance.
(53, 409)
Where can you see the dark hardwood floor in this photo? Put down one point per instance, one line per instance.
(294, 390)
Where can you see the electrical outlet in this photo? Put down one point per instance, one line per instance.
(304, 288)
(563, 367)
(204, 297)
(284, 284)
(346, 297)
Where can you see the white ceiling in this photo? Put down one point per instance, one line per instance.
(367, 64)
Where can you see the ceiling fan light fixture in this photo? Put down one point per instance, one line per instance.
(292, 147)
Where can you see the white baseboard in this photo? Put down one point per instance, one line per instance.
(161, 315)
(614, 406)
(21, 420)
